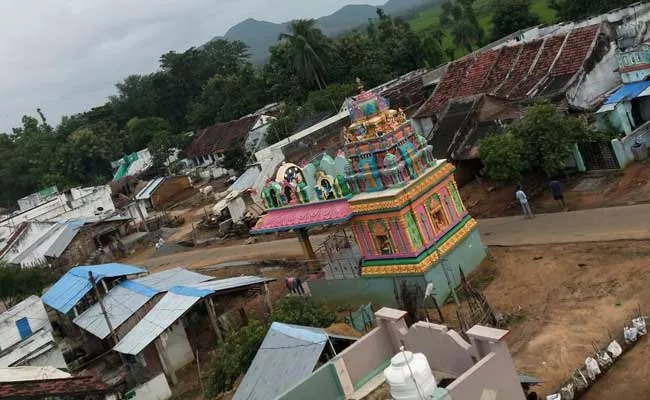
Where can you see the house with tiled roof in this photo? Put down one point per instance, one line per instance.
(50, 383)
(210, 143)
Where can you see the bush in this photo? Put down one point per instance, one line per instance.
(235, 356)
(503, 157)
(302, 311)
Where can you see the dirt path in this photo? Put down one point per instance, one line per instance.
(206, 256)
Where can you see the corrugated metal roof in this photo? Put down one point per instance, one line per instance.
(172, 277)
(287, 355)
(162, 316)
(41, 239)
(230, 283)
(148, 190)
(246, 180)
(39, 343)
(74, 285)
(628, 92)
(128, 297)
(120, 303)
(171, 307)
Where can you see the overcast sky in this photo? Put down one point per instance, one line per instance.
(66, 56)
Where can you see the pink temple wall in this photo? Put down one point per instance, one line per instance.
(423, 222)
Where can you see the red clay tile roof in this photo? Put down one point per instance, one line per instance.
(216, 138)
(53, 387)
(534, 69)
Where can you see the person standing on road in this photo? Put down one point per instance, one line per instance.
(523, 200)
(556, 190)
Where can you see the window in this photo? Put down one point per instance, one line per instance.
(383, 244)
(381, 237)
(24, 329)
(438, 217)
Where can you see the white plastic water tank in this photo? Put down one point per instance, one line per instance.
(399, 377)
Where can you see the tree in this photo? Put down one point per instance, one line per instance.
(510, 16)
(502, 156)
(302, 311)
(459, 16)
(434, 52)
(235, 356)
(140, 131)
(19, 283)
(234, 157)
(544, 138)
(310, 50)
(329, 99)
(579, 9)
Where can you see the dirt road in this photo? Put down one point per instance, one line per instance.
(600, 224)
(206, 256)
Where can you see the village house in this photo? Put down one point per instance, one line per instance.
(209, 144)
(558, 67)
(481, 368)
(62, 244)
(39, 383)
(161, 191)
(168, 336)
(26, 337)
(71, 204)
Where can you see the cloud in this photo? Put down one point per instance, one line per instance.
(66, 56)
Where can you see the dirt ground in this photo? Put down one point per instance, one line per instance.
(563, 298)
(584, 191)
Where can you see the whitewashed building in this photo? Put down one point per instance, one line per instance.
(26, 337)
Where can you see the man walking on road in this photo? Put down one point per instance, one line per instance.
(556, 191)
(523, 200)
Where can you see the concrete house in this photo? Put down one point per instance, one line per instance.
(478, 369)
(26, 337)
(161, 191)
(74, 203)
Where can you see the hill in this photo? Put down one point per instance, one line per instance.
(260, 35)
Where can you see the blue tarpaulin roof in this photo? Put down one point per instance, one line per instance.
(627, 92)
(74, 285)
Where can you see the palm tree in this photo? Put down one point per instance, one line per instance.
(459, 16)
(311, 51)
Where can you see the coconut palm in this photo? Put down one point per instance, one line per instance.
(459, 16)
(311, 51)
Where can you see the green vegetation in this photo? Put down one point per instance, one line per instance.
(485, 11)
(239, 349)
(302, 311)
(18, 283)
(543, 139)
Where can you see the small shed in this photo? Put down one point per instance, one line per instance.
(161, 191)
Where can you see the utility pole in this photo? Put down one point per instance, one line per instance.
(108, 321)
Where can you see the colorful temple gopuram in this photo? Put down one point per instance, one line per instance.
(402, 204)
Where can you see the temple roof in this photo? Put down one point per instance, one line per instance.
(304, 216)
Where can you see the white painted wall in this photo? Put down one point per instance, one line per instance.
(237, 209)
(155, 389)
(33, 309)
(594, 86)
(177, 347)
(83, 202)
